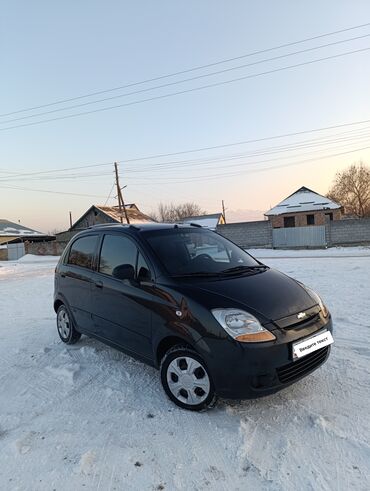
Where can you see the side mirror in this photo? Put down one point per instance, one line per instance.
(124, 272)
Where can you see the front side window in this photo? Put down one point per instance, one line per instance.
(118, 256)
(82, 252)
(189, 251)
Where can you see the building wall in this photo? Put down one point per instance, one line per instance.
(248, 234)
(3, 254)
(94, 217)
(301, 218)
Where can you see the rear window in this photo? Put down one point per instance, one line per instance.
(82, 252)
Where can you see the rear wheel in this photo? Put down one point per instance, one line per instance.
(66, 330)
(186, 379)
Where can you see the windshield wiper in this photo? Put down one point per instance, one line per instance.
(236, 269)
(240, 269)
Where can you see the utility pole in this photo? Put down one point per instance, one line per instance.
(223, 210)
(70, 219)
(121, 203)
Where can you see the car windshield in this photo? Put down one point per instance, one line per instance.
(192, 252)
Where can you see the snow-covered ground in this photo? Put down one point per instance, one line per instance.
(89, 417)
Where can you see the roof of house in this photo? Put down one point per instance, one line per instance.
(14, 230)
(209, 221)
(133, 212)
(303, 200)
(113, 212)
(7, 239)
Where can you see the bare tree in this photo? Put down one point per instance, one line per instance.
(169, 212)
(351, 189)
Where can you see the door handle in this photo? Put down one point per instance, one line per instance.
(62, 275)
(99, 284)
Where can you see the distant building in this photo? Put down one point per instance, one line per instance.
(110, 214)
(304, 207)
(13, 236)
(207, 221)
(97, 215)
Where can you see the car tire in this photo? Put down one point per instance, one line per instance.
(65, 326)
(186, 379)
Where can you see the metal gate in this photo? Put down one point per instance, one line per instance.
(291, 237)
(15, 251)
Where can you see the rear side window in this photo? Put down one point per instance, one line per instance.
(117, 252)
(82, 252)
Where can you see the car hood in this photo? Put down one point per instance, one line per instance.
(271, 294)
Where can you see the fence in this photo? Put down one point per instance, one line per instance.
(293, 237)
(261, 235)
(15, 251)
(248, 234)
(348, 232)
(52, 248)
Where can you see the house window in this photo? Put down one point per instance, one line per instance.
(289, 222)
(310, 219)
(329, 217)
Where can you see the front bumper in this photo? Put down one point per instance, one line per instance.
(251, 370)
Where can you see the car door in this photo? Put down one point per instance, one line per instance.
(76, 277)
(121, 302)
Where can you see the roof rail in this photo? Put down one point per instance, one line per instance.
(192, 224)
(100, 225)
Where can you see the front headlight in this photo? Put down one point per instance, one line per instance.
(242, 326)
(317, 299)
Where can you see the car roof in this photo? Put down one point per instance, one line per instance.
(118, 227)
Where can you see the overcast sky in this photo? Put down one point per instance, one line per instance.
(52, 51)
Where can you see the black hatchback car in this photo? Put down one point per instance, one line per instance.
(184, 299)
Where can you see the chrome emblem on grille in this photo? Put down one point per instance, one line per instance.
(301, 315)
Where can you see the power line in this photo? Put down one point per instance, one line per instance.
(245, 142)
(251, 171)
(266, 50)
(273, 150)
(110, 192)
(177, 82)
(185, 91)
(200, 149)
(207, 177)
(52, 192)
(210, 161)
(170, 179)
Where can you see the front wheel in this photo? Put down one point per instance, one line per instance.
(66, 330)
(186, 379)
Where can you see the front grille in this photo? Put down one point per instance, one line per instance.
(304, 323)
(292, 321)
(292, 371)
